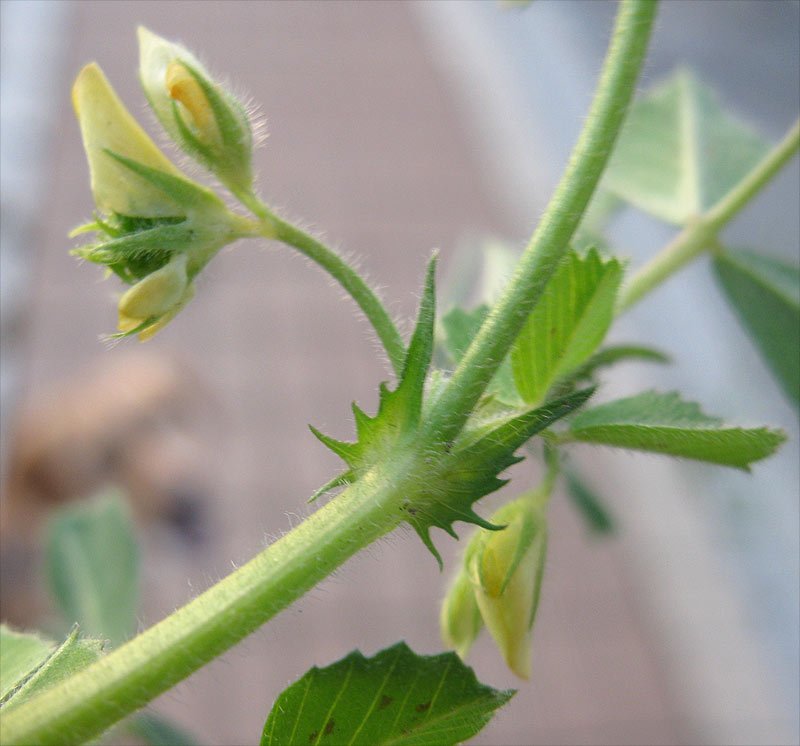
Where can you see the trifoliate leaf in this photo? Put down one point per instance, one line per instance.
(567, 324)
(680, 151)
(663, 423)
(395, 697)
(93, 566)
(765, 294)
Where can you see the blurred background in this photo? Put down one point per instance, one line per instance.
(396, 129)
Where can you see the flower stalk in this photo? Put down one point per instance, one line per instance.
(84, 705)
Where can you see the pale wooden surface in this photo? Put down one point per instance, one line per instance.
(364, 145)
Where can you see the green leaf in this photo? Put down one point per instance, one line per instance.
(567, 324)
(460, 328)
(69, 658)
(663, 423)
(93, 566)
(604, 358)
(157, 730)
(20, 655)
(680, 152)
(765, 294)
(396, 697)
(589, 505)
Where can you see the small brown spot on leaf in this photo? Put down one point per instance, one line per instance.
(329, 727)
(385, 701)
(313, 736)
(424, 706)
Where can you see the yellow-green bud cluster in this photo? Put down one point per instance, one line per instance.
(156, 228)
(499, 584)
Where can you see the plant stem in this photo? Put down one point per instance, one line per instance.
(550, 240)
(701, 234)
(86, 704)
(331, 262)
(83, 705)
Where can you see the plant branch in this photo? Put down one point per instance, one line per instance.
(85, 705)
(331, 262)
(701, 234)
(550, 240)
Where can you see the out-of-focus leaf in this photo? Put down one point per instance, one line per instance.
(596, 515)
(567, 324)
(663, 423)
(396, 697)
(460, 329)
(765, 294)
(680, 152)
(69, 658)
(93, 566)
(20, 655)
(156, 730)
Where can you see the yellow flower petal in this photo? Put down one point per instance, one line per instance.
(107, 125)
(156, 294)
(183, 87)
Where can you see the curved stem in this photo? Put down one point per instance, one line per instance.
(551, 238)
(331, 262)
(701, 234)
(87, 703)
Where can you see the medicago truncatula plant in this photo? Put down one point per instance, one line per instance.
(524, 371)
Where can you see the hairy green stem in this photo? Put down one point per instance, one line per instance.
(331, 262)
(551, 239)
(701, 234)
(84, 705)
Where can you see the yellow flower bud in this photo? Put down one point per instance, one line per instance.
(159, 294)
(184, 88)
(506, 570)
(204, 119)
(460, 619)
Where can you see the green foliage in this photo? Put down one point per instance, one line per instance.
(765, 294)
(156, 730)
(469, 470)
(93, 566)
(71, 656)
(399, 411)
(20, 655)
(663, 423)
(396, 697)
(460, 328)
(568, 323)
(460, 473)
(680, 152)
(589, 505)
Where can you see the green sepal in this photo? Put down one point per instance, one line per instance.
(136, 255)
(234, 163)
(186, 193)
